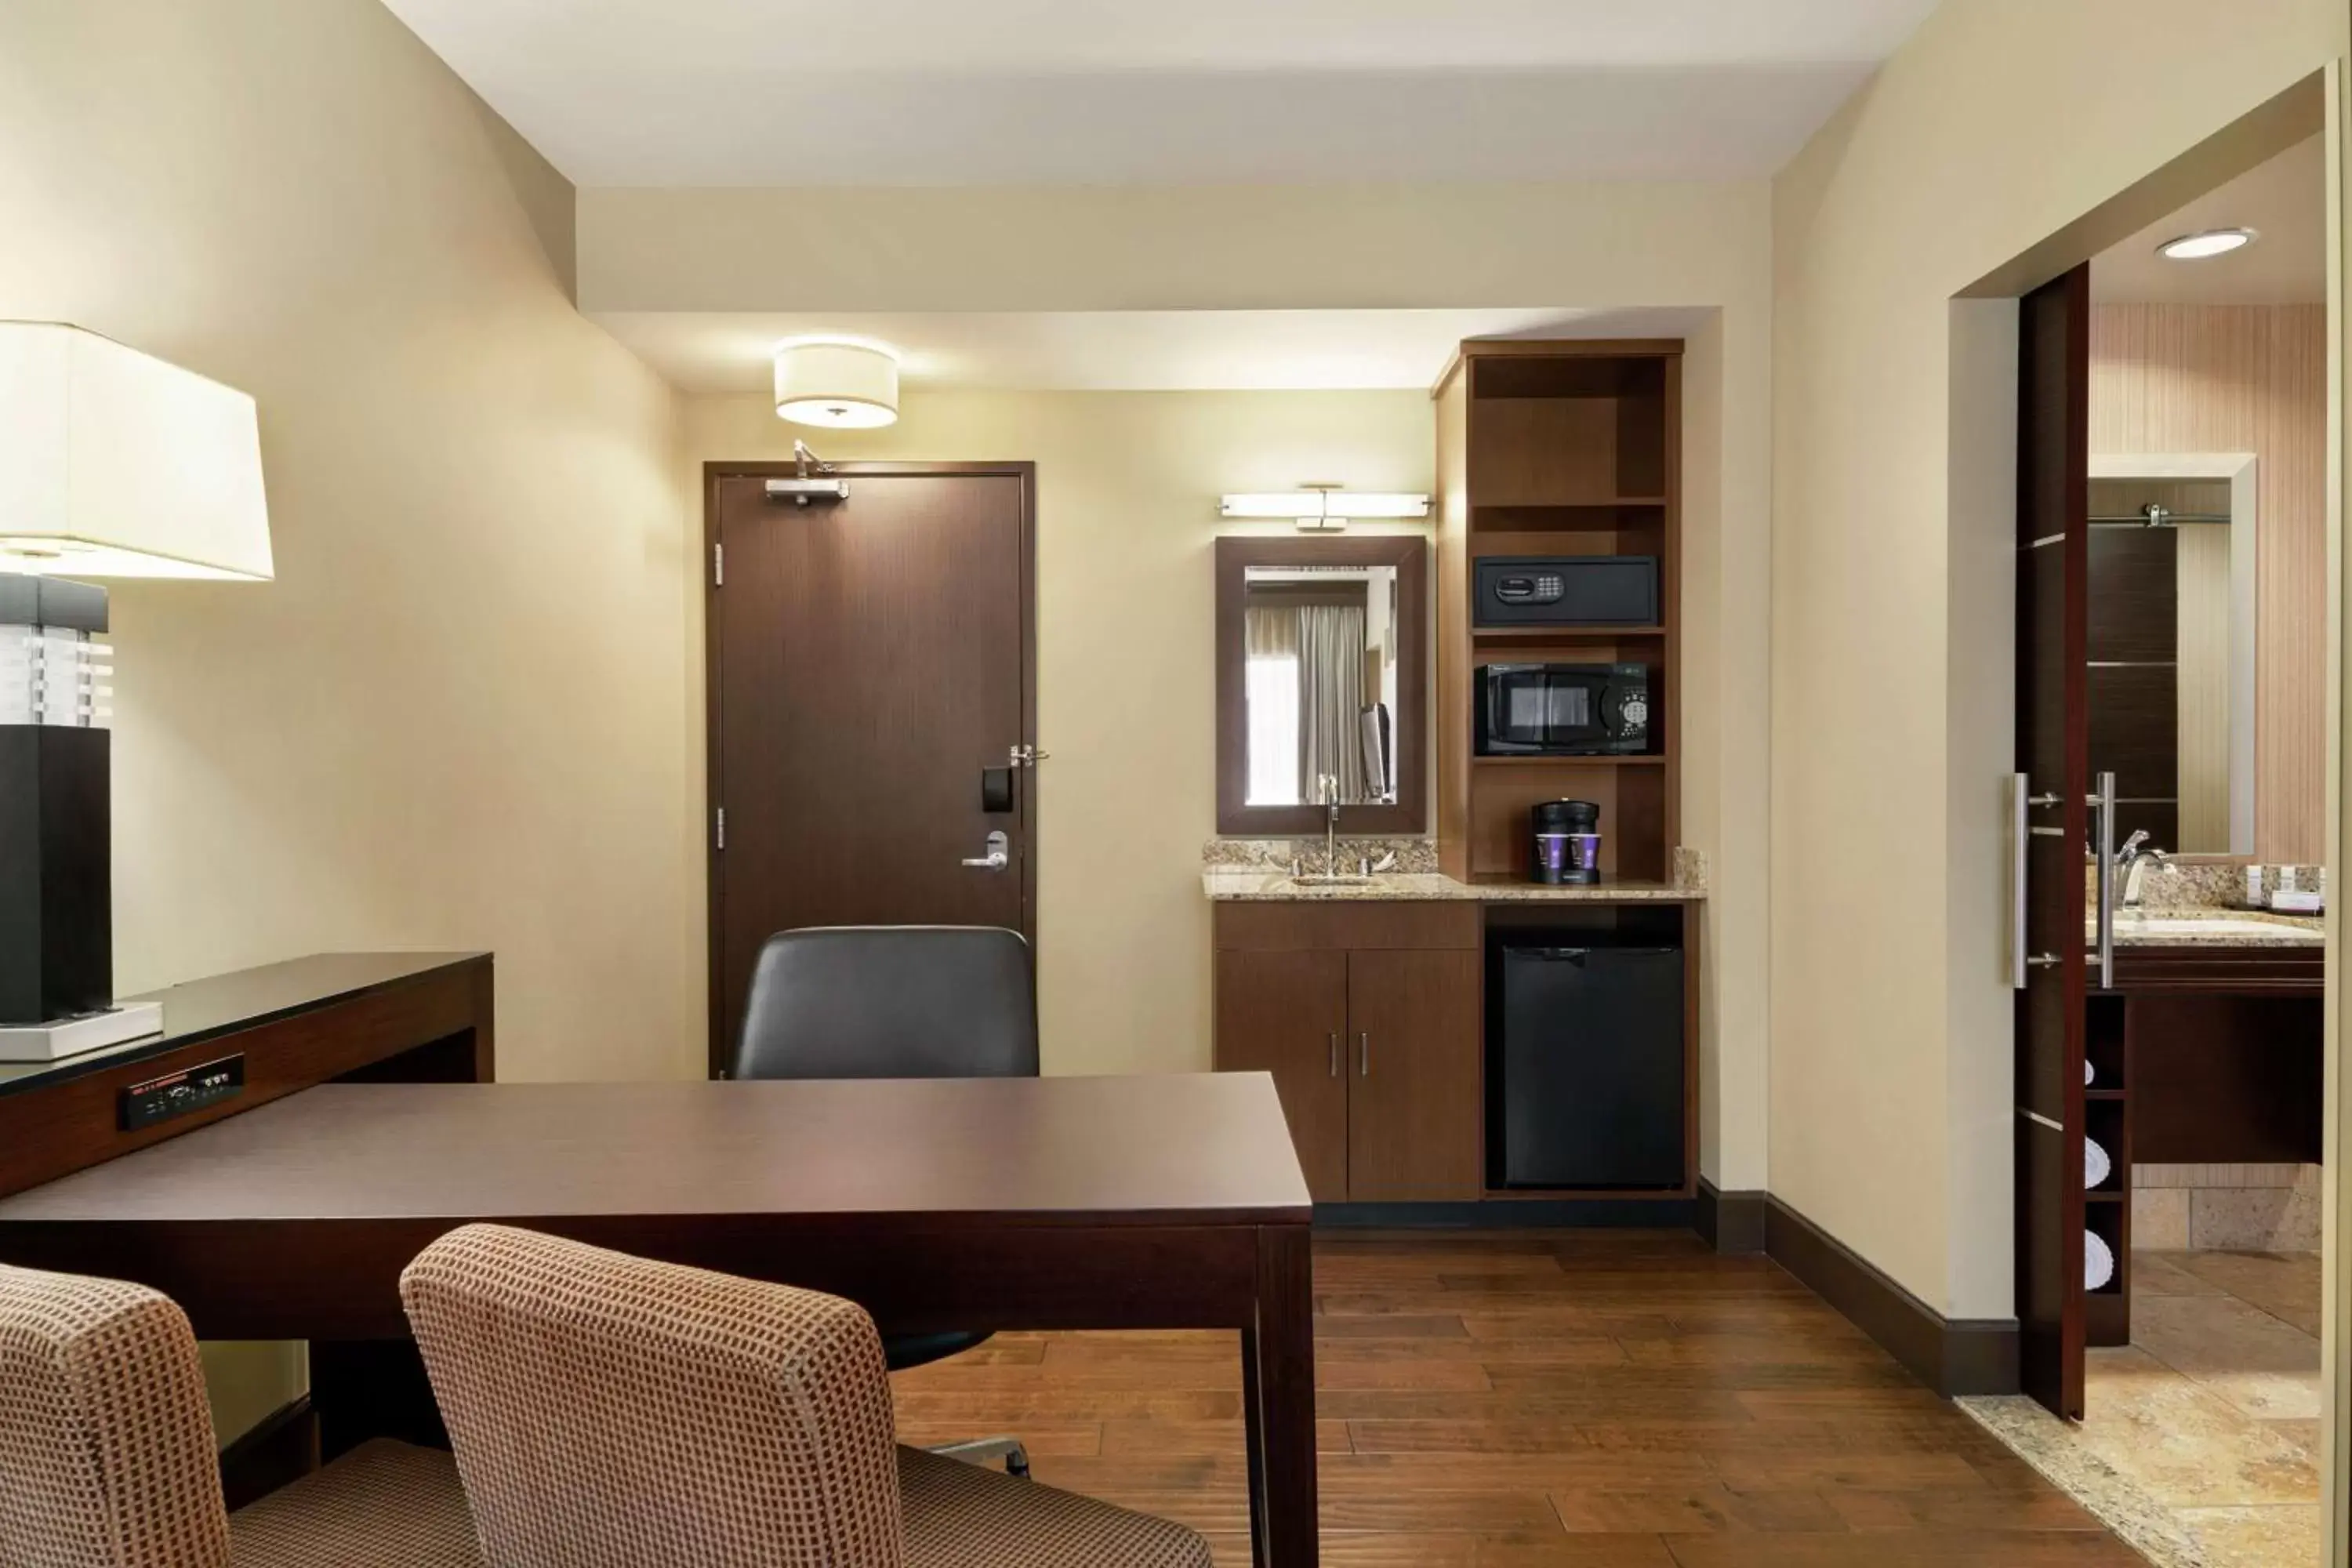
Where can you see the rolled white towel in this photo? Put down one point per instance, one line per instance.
(2098, 1262)
(2090, 1073)
(2095, 1165)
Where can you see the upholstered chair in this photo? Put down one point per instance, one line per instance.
(610, 1412)
(108, 1460)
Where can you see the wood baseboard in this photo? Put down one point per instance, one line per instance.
(1952, 1356)
(1731, 1223)
(1501, 1214)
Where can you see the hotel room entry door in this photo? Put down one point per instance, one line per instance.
(870, 674)
(2050, 965)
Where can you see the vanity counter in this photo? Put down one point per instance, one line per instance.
(1257, 885)
(2216, 928)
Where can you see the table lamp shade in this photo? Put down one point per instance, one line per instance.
(116, 464)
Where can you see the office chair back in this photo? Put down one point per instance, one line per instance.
(612, 1412)
(106, 1443)
(890, 1001)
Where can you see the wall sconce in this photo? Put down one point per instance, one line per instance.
(1325, 509)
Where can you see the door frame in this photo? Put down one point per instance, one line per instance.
(714, 863)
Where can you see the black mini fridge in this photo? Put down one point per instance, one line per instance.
(1585, 1065)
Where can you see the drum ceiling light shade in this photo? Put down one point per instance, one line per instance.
(116, 464)
(835, 383)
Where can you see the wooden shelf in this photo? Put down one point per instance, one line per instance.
(1644, 760)
(2105, 1195)
(1561, 634)
(2103, 1094)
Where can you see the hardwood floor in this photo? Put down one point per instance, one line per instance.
(1538, 1400)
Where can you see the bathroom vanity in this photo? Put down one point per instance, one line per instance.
(2207, 1049)
(1378, 1000)
(1370, 1004)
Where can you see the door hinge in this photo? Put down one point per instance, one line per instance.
(721, 833)
(718, 566)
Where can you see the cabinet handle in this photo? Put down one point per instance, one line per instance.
(1364, 1050)
(1335, 1053)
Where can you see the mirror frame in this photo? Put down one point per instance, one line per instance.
(1409, 553)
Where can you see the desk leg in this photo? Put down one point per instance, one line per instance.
(1254, 1426)
(372, 1388)
(1278, 1384)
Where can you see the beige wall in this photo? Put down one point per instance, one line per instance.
(1698, 252)
(2002, 122)
(2246, 378)
(1127, 506)
(453, 720)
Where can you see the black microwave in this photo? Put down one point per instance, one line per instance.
(1566, 591)
(1563, 709)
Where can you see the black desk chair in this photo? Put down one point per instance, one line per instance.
(897, 1002)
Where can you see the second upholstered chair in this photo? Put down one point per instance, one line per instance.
(610, 1412)
(107, 1457)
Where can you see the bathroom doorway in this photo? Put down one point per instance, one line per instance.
(2175, 437)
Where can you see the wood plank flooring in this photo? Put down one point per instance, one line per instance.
(1538, 1400)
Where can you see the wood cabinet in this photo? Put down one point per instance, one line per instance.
(1287, 1014)
(1368, 1017)
(1414, 1102)
(1559, 449)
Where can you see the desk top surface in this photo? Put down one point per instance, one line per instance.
(1206, 1146)
(224, 1004)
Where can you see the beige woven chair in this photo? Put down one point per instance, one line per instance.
(107, 1457)
(609, 1411)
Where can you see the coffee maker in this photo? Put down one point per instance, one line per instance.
(1565, 842)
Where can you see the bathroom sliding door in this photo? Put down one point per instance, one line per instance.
(2053, 755)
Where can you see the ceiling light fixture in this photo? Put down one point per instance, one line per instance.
(837, 382)
(1325, 509)
(2206, 244)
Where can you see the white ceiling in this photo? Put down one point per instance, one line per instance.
(1121, 350)
(2286, 200)
(794, 93)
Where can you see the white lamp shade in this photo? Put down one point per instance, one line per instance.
(840, 385)
(115, 464)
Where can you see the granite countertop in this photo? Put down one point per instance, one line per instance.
(1257, 885)
(2190, 927)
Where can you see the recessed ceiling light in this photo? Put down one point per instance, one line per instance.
(2208, 242)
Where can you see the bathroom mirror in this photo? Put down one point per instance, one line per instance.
(2172, 601)
(1322, 684)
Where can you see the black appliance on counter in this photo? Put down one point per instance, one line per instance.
(1563, 709)
(1585, 1062)
(1565, 591)
(1566, 848)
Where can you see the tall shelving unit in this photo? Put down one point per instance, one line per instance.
(1557, 448)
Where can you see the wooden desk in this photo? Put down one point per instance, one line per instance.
(1109, 1203)
(381, 1016)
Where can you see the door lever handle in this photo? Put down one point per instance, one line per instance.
(998, 855)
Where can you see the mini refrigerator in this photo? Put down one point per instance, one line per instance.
(1585, 1065)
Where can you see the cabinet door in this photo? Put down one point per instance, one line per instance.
(1413, 1077)
(1287, 1014)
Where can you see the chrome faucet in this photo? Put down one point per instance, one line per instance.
(1329, 784)
(2130, 862)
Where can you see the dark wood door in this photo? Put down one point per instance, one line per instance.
(869, 659)
(2054, 753)
(1287, 1014)
(1412, 1085)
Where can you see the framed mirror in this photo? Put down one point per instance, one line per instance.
(2173, 627)
(1322, 684)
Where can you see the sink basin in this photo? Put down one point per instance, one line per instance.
(1325, 880)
